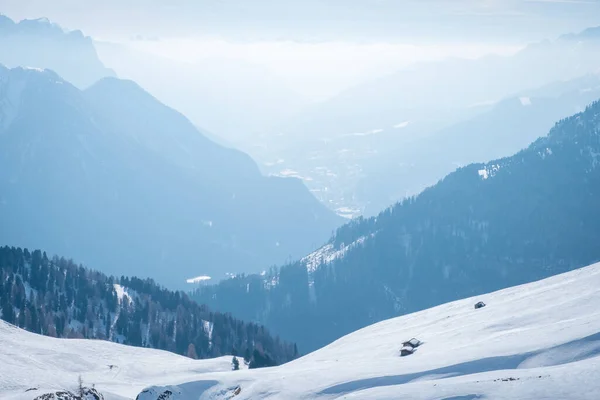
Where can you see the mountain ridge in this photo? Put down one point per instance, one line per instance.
(510, 125)
(357, 149)
(473, 232)
(128, 185)
(42, 44)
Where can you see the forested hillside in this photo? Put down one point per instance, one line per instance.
(56, 297)
(482, 228)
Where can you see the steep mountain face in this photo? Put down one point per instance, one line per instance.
(482, 228)
(129, 186)
(42, 44)
(57, 298)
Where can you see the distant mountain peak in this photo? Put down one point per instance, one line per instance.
(589, 33)
(43, 20)
(111, 83)
(4, 17)
(39, 25)
(30, 72)
(35, 26)
(44, 44)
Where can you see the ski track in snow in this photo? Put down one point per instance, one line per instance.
(536, 341)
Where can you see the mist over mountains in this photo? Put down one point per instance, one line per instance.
(232, 99)
(218, 213)
(509, 126)
(340, 145)
(482, 228)
(120, 181)
(42, 44)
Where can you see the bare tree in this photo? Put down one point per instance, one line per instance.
(80, 387)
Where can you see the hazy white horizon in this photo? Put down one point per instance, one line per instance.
(316, 71)
(318, 49)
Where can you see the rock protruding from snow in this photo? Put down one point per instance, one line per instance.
(91, 394)
(88, 394)
(156, 393)
(186, 391)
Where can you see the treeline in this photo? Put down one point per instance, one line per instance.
(480, 229)
(56, 297)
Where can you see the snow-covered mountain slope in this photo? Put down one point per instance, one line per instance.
(30, 361)
(535, 341)
(482, 228)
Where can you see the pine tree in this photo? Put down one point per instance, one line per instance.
(8, 313)
(107, 324)
(235, 363)
(247, 356)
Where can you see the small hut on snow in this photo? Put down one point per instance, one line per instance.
(409, 347)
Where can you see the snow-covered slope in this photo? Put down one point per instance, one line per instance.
(535, 341)
(29, 361)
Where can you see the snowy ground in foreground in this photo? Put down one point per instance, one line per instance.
(536, 341)
(28, 361)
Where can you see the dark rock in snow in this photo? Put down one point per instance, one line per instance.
(88, 394)
(158, 394)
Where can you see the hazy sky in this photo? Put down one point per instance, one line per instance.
(317, 70)
(404, 20)
(318, 47)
